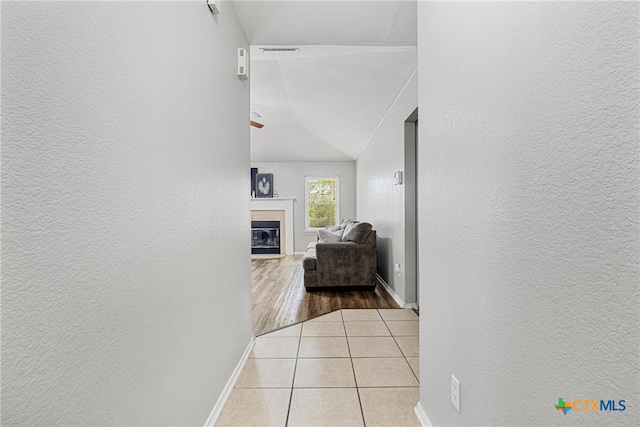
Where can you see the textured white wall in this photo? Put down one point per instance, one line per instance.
(529, 215)
(125, 256)
(288, 181)
(379, 200)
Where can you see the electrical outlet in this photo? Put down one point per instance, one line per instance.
(455, 392)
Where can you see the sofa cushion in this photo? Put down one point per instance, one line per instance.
(309, 259)
(330, 236)
(333, 228)
(357, 233)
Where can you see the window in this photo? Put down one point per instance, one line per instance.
(321, 202)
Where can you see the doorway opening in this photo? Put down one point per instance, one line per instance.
(411, 208)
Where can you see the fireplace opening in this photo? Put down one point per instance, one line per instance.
(265, 237)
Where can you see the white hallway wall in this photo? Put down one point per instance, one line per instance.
(288, 181)
(125, 159)
(379, 200)
(529, 223)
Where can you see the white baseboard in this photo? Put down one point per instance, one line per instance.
(391, 292)
(422, 416)
(226, 392)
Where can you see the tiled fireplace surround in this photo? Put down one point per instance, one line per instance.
(276, 209)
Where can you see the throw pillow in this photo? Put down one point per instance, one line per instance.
(347, 222)
(346, 226)
(330, 236)
(357, 233)
(333, 228)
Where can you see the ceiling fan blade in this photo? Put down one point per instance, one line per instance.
(256, 124)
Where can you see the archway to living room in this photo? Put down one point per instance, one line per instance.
(319, 96)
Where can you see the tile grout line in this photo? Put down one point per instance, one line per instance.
(353, 369)
(293, 380)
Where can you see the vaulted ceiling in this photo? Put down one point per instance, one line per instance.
(324, 101)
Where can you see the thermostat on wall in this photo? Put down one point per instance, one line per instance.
(243, 73)
(214, 6)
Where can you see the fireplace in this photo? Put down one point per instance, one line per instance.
(265, 237)
(276, 209)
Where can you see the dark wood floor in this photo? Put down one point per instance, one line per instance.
(279, 298)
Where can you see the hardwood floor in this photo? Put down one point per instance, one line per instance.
(279, 298)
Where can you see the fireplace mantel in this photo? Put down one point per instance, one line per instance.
(279, 204)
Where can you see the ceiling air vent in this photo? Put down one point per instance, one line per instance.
(279, 49)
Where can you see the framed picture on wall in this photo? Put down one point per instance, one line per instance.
(254, 172)
(264, 185)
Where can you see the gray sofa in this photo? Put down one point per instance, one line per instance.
(344, 257)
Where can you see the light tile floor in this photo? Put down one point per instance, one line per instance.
(348, 368)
